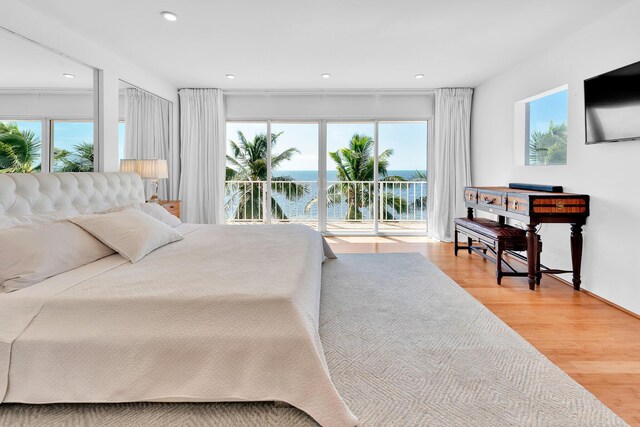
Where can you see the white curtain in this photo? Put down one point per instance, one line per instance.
(148, 132)
(449, 161)
(202, 140)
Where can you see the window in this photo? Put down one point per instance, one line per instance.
(21, 148)
(65, 145)
(121, 139)
(546, 128)
(72, 145)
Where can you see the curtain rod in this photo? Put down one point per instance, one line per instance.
(144, 90)
(329, 91)
(322, 91)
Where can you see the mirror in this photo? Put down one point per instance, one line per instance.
(145, 130)
(46, 109)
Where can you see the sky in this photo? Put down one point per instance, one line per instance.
(408, 141)
(65, 134)
(68, 134)
(552, 107)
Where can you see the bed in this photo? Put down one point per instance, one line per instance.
(229, 313)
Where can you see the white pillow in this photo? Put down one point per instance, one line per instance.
(31, 254)
(159, 213)
(130, 232)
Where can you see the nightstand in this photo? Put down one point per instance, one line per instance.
(172, 206)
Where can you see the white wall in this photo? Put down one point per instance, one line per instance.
(608, 172)
(35, 26)
(73, 105)
(355, 105)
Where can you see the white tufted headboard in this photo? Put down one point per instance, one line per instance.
(66, 194)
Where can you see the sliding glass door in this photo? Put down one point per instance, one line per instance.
(402, 171)
(294, 173)
(350, 189)
(338, 177)
(246, 176)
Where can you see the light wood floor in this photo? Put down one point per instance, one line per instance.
(596, 344)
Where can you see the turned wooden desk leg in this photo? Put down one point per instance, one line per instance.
(576, 254)
(455, 241)
(538, 265)
(469, 239)
(532, 255)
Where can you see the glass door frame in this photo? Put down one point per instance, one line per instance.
(428, 121)
(271, 122)
(324, 155)
(322, 166)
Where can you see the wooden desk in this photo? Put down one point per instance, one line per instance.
(533, 208)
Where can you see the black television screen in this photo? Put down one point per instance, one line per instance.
(612, 105)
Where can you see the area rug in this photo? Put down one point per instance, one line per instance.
(406, 346)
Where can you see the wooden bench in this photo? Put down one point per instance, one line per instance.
(495, 237)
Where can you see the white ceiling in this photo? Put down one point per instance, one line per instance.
(286, 44)
(26, 65)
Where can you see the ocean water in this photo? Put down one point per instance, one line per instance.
(332, 174)
(304, 207)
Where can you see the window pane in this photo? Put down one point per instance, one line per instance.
(402, 167)
(72, 146)
(350, 176)
(547, 130)
(294, 164)
(17, 135)
(121, 140)
(246, 172)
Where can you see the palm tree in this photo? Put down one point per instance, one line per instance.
(78, 160)
(420, 202)
(248, 162)
(19, 149)
(550, 147)
(354, 165)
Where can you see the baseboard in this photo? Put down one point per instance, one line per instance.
(598, 297)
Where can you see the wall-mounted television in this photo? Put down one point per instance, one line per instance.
(612, 105)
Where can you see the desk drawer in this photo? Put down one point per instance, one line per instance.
(491, 198)
(518, 204)
(564, 205)
(471, 195)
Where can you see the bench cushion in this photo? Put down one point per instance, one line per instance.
(491, 229)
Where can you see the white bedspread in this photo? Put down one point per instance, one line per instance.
(230, 313)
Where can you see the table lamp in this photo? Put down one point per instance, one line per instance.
(153, 169)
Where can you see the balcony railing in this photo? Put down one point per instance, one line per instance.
(348, 202)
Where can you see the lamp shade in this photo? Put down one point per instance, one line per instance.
(153, 169)
(129, 165)
(146, 168)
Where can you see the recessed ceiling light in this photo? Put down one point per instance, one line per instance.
(231, 76)
(326, 75)
(69, 76)
(419, 76)
(169, 16)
